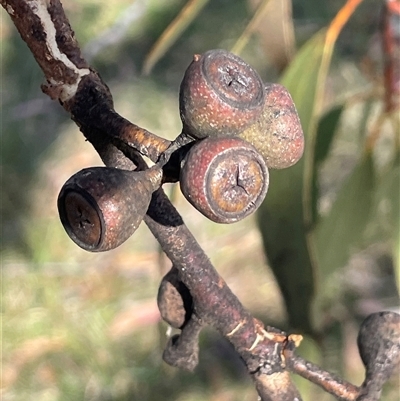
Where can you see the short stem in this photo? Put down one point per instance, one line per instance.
(181, 141)
(147, 143)
(332, 384)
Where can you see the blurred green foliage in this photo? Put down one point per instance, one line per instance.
(61, 307)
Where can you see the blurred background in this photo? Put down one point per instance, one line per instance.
(81, 326)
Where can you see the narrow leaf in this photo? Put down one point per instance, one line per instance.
(387, 209)
(281, 217)
(396, 254)
(251, 27)
(188, 13)
(327, 128)
(286, 217)
(300, 78)
(339, 233)
(280, 220)
(273, 22)
(394, 199)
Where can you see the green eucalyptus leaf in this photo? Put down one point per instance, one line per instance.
(387, 210)
(300, 78)
(365, 115)
(394, 199)
(281, 217)
(340, 232)
(327, 127)
(281, 223)
(396, 254)
(325, 132)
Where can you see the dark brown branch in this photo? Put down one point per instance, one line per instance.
(92, 106)
(214, 303)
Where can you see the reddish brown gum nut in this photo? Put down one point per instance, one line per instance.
(220, 95)
(101, 207)
(225, 179)
(278, 134)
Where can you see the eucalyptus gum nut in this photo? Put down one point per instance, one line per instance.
(220, 95)
(379, 345)
(277, 134)
(225, 179)
(101, 207)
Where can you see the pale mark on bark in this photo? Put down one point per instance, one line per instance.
(66, 91)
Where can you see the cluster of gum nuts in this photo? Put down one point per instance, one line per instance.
(237, 128)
